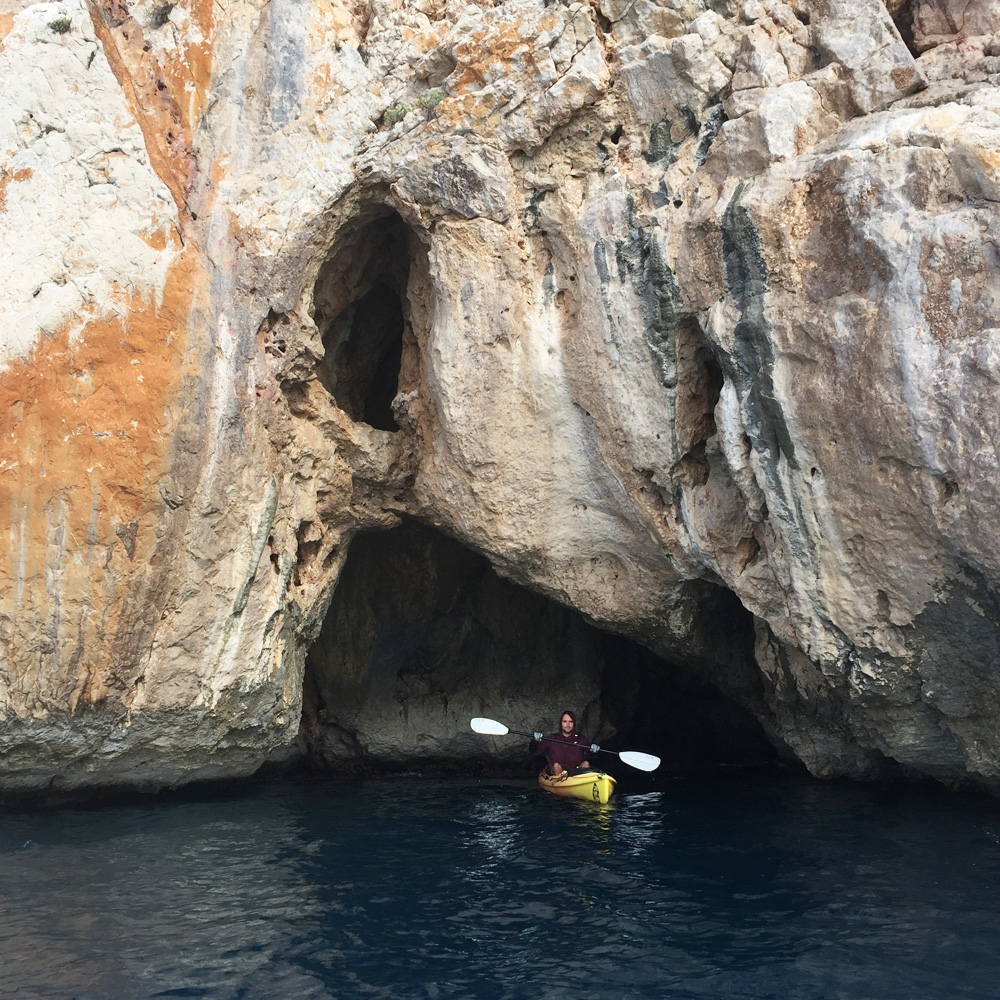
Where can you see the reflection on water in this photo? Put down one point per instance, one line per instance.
(751, 887)
(494, 825)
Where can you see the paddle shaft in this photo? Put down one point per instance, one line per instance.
(565, 743)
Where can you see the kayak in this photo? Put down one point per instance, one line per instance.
(595, 786)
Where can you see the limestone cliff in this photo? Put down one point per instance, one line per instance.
(646, 301)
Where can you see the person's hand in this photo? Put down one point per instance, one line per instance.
(537, 737)
(594, 747)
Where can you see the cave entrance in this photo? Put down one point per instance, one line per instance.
(361, 308)
(422, 634)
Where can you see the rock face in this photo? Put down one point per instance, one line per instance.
(645, 302)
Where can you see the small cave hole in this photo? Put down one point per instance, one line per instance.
(882, 604)
(361, 309)
(947, 488)
(618, 134)
(365, 378)
(700, 382)
(901, 12)
(691, 122)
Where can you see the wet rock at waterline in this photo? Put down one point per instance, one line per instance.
(664, 310)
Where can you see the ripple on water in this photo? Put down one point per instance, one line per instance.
(746, 887)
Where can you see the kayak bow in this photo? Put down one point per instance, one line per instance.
(594, 786)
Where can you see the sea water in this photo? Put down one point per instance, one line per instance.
(743, 885)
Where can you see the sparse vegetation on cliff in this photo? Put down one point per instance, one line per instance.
(60, 25)
(427, 101)
(399, 112)
(430, 99)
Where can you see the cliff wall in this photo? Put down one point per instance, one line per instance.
(640, 300)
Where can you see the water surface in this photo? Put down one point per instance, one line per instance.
(752, 886)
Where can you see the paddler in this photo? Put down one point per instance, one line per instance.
(565, 749)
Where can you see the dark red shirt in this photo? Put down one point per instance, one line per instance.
(562, 753)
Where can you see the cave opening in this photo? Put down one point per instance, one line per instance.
(422, 634)
(361, 308)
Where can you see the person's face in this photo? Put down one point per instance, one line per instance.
(566, 723)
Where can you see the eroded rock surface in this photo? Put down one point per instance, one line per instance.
(640, 300)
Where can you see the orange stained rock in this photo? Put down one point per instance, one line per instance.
(86, 426)
(6, 177)
(157, 237)
(167, 93)
(988, 157)
(6, 23)
(490, 54)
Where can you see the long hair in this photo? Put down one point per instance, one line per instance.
(572, 715)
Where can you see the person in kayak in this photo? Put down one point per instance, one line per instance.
(569, 753)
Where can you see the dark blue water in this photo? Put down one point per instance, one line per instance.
(703, 888)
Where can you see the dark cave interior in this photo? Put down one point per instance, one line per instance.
(360, 308)
(421, 626)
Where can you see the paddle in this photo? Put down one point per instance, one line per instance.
(643, 761)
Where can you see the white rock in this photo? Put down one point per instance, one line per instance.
(783, 114)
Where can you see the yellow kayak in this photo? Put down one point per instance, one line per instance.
(595, 786)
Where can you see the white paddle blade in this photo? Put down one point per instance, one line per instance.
(643, 761)
(490, 728)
